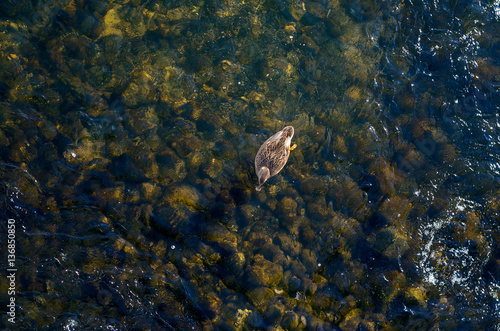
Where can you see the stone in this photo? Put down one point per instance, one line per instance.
(290, 321)
(313, 186)
(288, 206)
(171, 167)
(150, 191)
(396, 210)
(212, 302)
(307, 234)
(351, 320)
(254, 320)
(387, 175)
(236, 262)
(418, 294)
(187, 144)
(226, 239)
(309, 259)
(397, 248)
(213, 168)
(260, 295)
(273, 312)
(262, 272)
(288, 245)
(194, 160)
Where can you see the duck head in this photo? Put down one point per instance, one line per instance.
(264, 175)
(288, 131)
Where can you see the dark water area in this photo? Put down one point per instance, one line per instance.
(128, 131)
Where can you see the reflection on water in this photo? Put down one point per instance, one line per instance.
(128, 132)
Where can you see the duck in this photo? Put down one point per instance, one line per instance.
(273, 155)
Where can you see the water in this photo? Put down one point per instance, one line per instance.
(128, 132)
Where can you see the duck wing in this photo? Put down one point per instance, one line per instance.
(276, 154)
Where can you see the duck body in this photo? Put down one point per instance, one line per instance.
(273, 155)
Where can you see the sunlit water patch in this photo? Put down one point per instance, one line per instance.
(450, 255)
(454, 261)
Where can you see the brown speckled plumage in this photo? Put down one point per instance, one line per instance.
(273, 155)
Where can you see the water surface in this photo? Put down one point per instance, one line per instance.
(128, 131)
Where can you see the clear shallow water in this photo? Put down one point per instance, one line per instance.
(127, 138)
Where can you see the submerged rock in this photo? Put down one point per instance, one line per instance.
(288, 206)
(150, 191)
(290, 321)
(261, 272)
(187, 196)
(225, 238)
(260, 295)
(236, 262)
(288, 245)
(171, 167)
